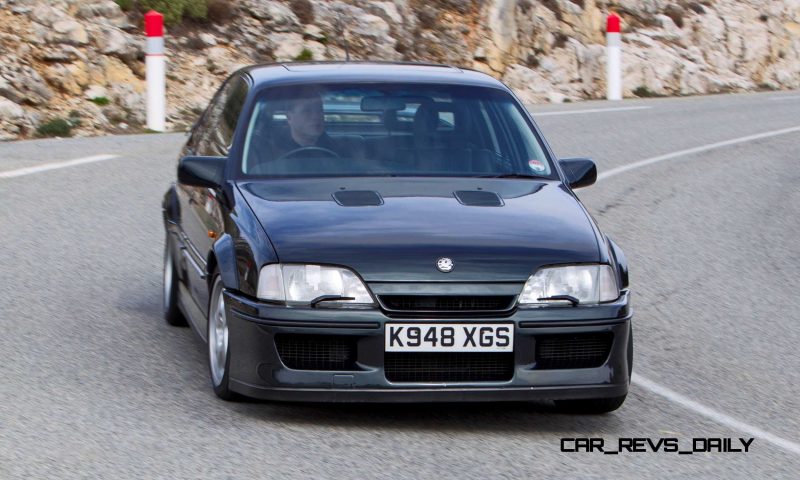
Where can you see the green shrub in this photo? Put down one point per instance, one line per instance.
(56, 127)
(125, 5)
(305, 55)
(642, 92)
(176, 10)
(102, 101)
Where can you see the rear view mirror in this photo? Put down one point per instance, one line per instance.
(202, 171)
(580, 172)
(382, 104)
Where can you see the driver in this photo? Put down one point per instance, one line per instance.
(306, 120)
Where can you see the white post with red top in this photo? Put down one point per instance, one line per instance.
(156, 71)
(614, 58)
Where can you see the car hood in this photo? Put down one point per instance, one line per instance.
(395, 229)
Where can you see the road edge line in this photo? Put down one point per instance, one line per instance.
(20, 172)
(689, 151)
(714, 415)
(589, 110)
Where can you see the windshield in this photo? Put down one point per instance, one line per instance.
(391, 129)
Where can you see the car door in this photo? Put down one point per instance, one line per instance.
(201, 221)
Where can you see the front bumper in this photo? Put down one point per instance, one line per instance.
(257, 371)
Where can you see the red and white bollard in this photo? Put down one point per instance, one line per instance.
(156, 72)
(614, 58)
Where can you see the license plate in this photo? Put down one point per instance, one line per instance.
(449, 337)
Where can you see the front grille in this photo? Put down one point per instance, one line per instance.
(427, 303)
(572, 351)
(449, 367)
(317, 352)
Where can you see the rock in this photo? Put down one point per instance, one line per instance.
(10, 111)
(219, 60)
(286, 46)
(313, 32)
(95, 91)
(132, 101)
(278, 16)
(548, 51)
(22, 84)
(368, 34)
(117, 73)
(502, 23)
(5, 135)
(47, 15)
(388, 11)
(79, 71)
(449, 44)
(106, 11)
(24, 50)
(318, 50)
(59, 76)
(38, 34)
(207, 39)
(92, 115)
(556, 97)
(68, 31)
(529, 85)
(113, 41)
(61, 53)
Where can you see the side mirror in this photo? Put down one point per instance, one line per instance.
(202, 171)
(580, 172)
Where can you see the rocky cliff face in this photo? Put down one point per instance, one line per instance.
(83, 61)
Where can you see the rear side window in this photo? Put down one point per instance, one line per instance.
(222, 118)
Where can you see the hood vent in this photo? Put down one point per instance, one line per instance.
(358, 198)
(478, 198)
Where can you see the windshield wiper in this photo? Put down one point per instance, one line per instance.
(511, 175)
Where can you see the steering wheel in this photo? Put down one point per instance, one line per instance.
(328, 152)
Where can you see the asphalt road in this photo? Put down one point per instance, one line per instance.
(94, 384)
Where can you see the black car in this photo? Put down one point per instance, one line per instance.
(379, 232)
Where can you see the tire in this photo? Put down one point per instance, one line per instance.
(219, 353)
(590, 406)
(172, 313)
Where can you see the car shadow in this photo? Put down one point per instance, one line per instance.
(454, 417)
(186, 351)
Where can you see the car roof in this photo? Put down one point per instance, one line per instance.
(270, 75)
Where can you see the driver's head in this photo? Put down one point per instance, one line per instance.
(304, 115)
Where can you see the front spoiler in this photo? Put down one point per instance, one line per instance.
(257, 371)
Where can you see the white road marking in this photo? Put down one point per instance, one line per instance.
(590, 110)
(55, 165)
(689, 151)
(785, 97)
(714, 415)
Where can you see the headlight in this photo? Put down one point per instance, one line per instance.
(587, 284)
(312, 284)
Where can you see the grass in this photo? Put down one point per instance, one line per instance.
(305, 55)
(102, 101)
(56, 127)
(644, 92)
(125, 5)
